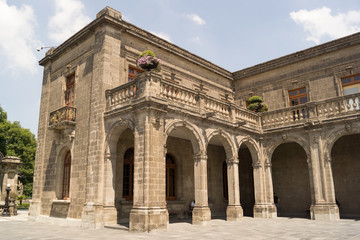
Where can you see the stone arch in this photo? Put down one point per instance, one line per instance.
(253, 147)
(196, 138)
(227, 141)
(341, 155)
(289, 139)
(335, 135)
(293, 179)
(113, 133)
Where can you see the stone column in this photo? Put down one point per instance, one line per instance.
(201, 213)
(323, 206)
(264, 193)
(234, 210)
(149, 210)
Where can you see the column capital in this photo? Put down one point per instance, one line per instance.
(232, 161)
(200, 156)
(267, 163)
(258, 164)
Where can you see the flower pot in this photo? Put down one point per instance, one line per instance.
(149, 67)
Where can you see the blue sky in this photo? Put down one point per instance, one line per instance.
(233, 34)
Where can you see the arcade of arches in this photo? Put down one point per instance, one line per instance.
(237, 176)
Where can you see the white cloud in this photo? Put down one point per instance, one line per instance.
(17, 42)
(67, 20)
(196, 19)
(162, 35)
(320, 23)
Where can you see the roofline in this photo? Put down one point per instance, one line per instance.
(105, 16)
(299, 56)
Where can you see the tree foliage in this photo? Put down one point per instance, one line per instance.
(256, 104)
(19, 142)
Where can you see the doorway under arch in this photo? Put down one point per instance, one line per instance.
(346, 167)
(246, 181)
(291, 181)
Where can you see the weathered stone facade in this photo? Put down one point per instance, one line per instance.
(230, 160)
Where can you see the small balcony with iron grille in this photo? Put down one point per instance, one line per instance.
(63, 118)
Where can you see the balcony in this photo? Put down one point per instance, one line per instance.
(312, 113)
(178, 98)
(63, 118)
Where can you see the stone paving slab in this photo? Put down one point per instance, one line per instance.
(248, 228)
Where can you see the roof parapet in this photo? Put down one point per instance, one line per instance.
(110, 12)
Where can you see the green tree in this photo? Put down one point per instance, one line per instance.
(256, 104)
(19, 142)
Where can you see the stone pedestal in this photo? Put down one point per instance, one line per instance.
(110, 215)
(201, 215)
(148, 219)
(234, 213)
(324, 212)
(34, 210)
(92, 216)
(265, 211)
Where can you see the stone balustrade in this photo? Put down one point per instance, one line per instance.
(214, 105)
(121, 94)
(315, 111)
(246, 116)
(176, 93)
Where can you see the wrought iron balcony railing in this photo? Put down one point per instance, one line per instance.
(65, 115)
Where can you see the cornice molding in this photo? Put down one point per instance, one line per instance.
(299, 56)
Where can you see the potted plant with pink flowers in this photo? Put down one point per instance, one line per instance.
(148, 61)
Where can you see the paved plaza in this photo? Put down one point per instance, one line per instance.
(248, 228)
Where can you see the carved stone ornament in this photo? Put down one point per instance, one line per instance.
(232, 160)
(348, 127)
(64, 135)
(284, 136)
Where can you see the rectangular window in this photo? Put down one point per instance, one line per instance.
(69, 93)
(133, 73)
(351, 84)
(298, 96)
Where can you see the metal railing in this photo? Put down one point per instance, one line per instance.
(65, 114)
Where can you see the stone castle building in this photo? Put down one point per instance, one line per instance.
(116, 144)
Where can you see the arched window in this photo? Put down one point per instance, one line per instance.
(170, 178)
(128, 174)
(225, 181)
(66, 176)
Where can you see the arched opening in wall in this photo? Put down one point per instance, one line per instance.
(217, 178)
(124, 175)
(246, 181)
(66, 176)
(291, 182)
(180, 191)
(346, 168)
